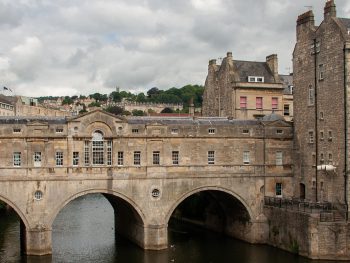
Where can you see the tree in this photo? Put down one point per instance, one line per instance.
(138, 113)
(115, 110)
(153, 92)
(94, 104)
(141, 97)
(67, 101)
(116, 96)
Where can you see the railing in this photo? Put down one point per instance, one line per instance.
(328, 212)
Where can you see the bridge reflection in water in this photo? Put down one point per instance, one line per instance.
(84, 232)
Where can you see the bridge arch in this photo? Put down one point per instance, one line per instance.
(207, 188)
(17, 210)
(115, 194)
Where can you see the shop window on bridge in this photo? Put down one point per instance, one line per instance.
(16, 159)
(109, 152)
(137, 158)
(86, 153)
(211, 157)
(37, 159)
(120, 158)
(59, 158)
(156, 157)
(175, 157)
(75, 158)
(278, 189)
(246, 157)
(97, 148)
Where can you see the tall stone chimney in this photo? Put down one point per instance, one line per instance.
(330, 9)
(305, 22)
(272, 62)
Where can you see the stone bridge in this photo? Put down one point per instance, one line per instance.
(145, 167)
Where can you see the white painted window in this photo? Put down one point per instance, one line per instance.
(279, 158)
(37, 159)
(211, 157)
(59, 158)
(330, 135)
(16, 159)
(175, 157)
(311, 97)
(86, 153)
(255, 79)
(279, 189)
(97, 148)
(311, 137)
(137, 158)
(156, 157)
(120, 158)
(246, 157)
(109, 152)
(75, 158)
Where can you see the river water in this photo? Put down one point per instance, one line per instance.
(84, 232)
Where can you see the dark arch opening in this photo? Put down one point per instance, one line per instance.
(12, 233)
(95, 222)
(214, 210)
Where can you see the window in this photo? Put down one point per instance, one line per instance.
(330, 158)
(321, 158)
(330, 135)
(109, 152)
(259, 103)
(211, 131)
(156, 157)
(278, 189)
(246, 157)
(279, 158)
(97, 148)
(37, 159)
(175, 157)
(38, 195)
(274, 103)
(311, 136)
(59, 158)
(211, 157)
(313, 159)
(86, 153)
(243, 102)
(134, 130)
(75, 158)
(59, 130)
(137, 158)
(16, 159)
(245, 131)
(255, 79)
(16, 130)
(321, 115)
(286, 109)
(311, 98)
(279, 131)
(120, 158)
(174, 131)
(321, 135)
(320, 72)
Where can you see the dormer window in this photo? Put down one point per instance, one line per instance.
(255, 79)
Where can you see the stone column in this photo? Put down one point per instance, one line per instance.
(37, 242)
(156, 237)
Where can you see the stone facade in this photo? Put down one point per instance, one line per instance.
(321, 70)
(244, 89)
(145, 167)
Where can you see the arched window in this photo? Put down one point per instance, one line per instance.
(97, 148)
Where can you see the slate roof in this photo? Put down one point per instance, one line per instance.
(345, 22)
(6, 99)
(287, 81)
(27, 120)
(252, 68)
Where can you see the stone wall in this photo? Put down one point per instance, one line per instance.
(304, 234)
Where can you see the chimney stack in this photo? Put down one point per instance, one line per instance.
(272, 62)
(330, 9)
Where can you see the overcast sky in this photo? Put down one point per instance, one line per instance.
(71, 47)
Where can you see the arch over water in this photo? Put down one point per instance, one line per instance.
(16, 209)
(203, 189)
(126, 200)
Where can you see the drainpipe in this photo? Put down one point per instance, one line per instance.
(345, 135)
(316, 118)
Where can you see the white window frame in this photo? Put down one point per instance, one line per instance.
(137, 158)
(258, 79)
(246, 157)
(120, 158)
(86, 153)
(59, 158)
(75, 159)
(175, 157)
(311, 95)
(17, 159)
(279, 158)
(211, 157)
(109, 152)
(37, 159)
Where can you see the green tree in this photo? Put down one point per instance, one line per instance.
(94, 104)
(138, 113)
(167, 110)
(115, 110)
(67, 101)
